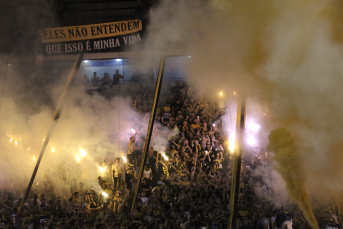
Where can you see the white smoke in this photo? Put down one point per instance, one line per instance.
(283, 55)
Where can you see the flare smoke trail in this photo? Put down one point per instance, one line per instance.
(161, 136)
(290, 168)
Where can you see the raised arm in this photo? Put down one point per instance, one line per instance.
(163, 121)
(145, 94)
(178, 146)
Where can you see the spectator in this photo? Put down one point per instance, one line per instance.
(95, 80)
(283, 221)
(117, 174)
(117, 77)
(106, 80)
(85, 80)
(131, 149)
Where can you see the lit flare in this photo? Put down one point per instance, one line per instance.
(232, 139)
(254, 127)
(83, 152)
(251, 141)
(102, 169)
(104, 194)
(165, 156)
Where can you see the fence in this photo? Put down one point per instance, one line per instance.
(125, 83)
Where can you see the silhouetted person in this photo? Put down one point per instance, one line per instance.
(117, 77)
(95, 79)
(283, 221)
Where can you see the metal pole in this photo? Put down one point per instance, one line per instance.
(150, 127)
(237, 162)
(57, 115)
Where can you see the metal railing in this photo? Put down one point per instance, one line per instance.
(124, 83)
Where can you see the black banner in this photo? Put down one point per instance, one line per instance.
(109, 44)
(107, 37)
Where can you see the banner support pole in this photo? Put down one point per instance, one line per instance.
(237, 162)
(150, 128)
(56, 116)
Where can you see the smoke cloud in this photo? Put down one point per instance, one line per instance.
(161, 136)
(289, 166)
(284, 56)
(91, 129)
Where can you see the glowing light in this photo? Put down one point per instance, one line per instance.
(264, 114)
(221, 93)
(251, 141)
(165, 156)
(16, 143)
(234, 93)
(232, 139)
(189, 56)
(118, 60)
(53, 150)
(43, 139)
(34, 158)
(206, 151)
(77, 158)
(102, 169)
(254, 127)
(104, 194)
(83, 152)
(28, 149)
(214, 124)
(85, 61)
(11, 140)
(133, 131)
(124, 158)
(37, 183)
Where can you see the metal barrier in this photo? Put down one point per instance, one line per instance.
(146, 83)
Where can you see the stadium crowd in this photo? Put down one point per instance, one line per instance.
(185, 186)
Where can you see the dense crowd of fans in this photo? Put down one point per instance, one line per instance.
(185, 186)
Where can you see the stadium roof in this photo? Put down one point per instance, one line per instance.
(81, 12)
(20, 20)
